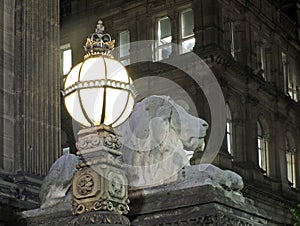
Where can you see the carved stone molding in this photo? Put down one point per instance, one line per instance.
(212, 220)
(89, 141)
(112, 141)
(97, 218)
(94, 139)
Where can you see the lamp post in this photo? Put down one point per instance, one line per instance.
(99, 95)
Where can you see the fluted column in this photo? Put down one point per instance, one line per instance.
(37, 80)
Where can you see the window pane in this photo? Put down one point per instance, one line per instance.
(285, 71)
(67, 61)
(187, 23)
(164, 52)
(259, 130)
(125, 62)
(188, 45)
(124, 43)
(232, 46)
(289, 166)
(260, 157)
(164, 28)
(165, 40)
(229, 136)
(293, 169)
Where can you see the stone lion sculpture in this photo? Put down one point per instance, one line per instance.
(159, 138)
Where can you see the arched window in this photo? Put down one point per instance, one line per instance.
(290, 153)
(229, 130)
(262, 148)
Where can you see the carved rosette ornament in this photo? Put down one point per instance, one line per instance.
(100, 184)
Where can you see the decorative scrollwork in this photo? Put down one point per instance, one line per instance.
(100, 206)
(85, 184)
(89, 141)
(94, 140)
(97, 206)
(123, 208)
(78, 208)
(112, 141)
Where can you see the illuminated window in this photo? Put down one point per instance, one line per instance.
(290, 153)
(66, 58)
(262, 148)
(292, 85)
(232, 45)
(124, 50)
(285, 72)
(263, 61)
(164, 38)
(229, 130)
(187, 30)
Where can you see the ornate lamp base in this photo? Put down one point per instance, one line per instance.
(100, 191)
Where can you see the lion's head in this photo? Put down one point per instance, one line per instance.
(159, 138)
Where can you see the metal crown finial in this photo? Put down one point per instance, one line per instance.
(99, 27)
(99, 43)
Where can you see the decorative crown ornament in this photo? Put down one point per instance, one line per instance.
(99, 43)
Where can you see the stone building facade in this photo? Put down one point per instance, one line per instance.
(252, 46)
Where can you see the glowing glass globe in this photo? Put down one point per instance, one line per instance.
(99, 90)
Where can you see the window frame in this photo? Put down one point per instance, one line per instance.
(187, 38)
(160, 47)
(125, 60)
(229, 131)
(63, 49)
(232, 38)
(291, 160)
(262, 148)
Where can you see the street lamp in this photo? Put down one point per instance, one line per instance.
(99, 95)
(98, 90)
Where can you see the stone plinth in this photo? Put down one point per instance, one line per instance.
(202, 195)
(197, 198)
(61, 215)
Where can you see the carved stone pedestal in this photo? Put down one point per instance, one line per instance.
(99, 187)
(100, 184)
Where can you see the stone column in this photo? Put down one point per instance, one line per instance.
(298, 19)
(208, 27)
(7, 81)
(242, 37)
(100, 191)
(280, 158)
(174, 17)
(251, 157)
(37, 80)
(30, 95)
